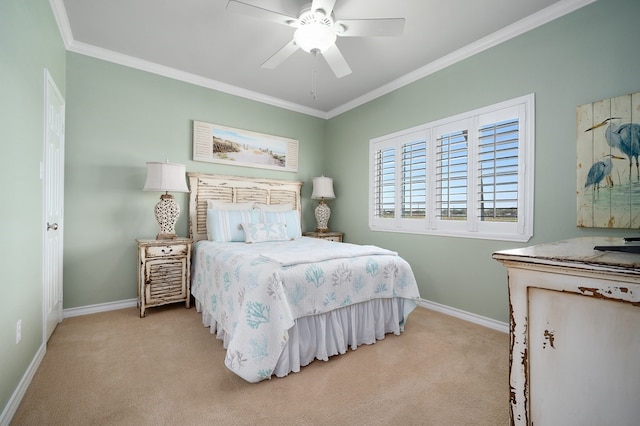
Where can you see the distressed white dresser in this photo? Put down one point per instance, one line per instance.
(575, 333)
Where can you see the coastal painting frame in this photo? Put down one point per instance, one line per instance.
(608, 173)
(214, 143)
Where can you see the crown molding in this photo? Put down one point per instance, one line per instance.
(524, 25)
(162, 70)
(529, 23)
(60, 14)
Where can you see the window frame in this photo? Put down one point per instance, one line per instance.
(521, 230)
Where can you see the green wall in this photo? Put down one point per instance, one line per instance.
(583, 57)
(29, 43)
(119, 118)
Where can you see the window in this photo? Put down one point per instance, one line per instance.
(467, 176)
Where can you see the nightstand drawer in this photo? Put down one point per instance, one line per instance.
(168, 250)
(338, 237)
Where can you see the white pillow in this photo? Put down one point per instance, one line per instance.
(274, 207)
(290, 218)
(262, 232)
(224, 225)
(224, 205)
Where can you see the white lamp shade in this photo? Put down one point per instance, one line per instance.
(322, 188)
(165, 177)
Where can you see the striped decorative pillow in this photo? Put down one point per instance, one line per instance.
(224, 225)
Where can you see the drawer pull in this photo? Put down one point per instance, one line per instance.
(167, 250)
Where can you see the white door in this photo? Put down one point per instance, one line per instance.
(53, 197)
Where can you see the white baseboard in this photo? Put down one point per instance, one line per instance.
(12, 406)
(100, 307)
(467, 316)
(458, 313)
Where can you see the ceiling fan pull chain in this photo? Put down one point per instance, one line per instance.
(314, 77)
(314, 93)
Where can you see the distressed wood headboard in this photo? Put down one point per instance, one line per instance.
(235, 189)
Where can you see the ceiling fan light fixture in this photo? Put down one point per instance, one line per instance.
(314, 36)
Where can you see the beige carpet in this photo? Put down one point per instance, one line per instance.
(115, 368)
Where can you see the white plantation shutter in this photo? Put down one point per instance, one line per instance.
(498, 171)
(414, 179)
(452, 152)
(473, 179)
(385, 178)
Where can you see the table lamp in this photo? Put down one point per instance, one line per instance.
(322, 190)
(166, 177)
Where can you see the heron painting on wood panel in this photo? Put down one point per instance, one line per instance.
(624, 137)
(607, 133)
(601, 170)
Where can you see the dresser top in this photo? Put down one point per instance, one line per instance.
(577, 252)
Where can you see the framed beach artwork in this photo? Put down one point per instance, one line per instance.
(213, 143)
(608, 174)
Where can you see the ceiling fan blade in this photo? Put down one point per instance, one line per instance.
(370, 27)
(325, 5)
(336, 61)
(282, 54)
(260, 13)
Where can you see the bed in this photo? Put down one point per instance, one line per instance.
(279, 300)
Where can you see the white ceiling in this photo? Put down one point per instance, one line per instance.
(200, 42)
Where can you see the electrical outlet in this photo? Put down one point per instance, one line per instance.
(18, 331)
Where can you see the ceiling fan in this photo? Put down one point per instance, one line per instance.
(317, 30)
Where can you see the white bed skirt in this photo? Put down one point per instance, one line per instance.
(324, 335)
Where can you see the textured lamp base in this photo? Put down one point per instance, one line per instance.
(323, 212)
(167, 212)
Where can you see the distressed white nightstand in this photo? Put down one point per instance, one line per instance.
(164, 268)
(331, 236)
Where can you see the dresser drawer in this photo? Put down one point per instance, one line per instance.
(168, 250)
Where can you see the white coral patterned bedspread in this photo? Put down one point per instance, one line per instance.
(256, 291)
